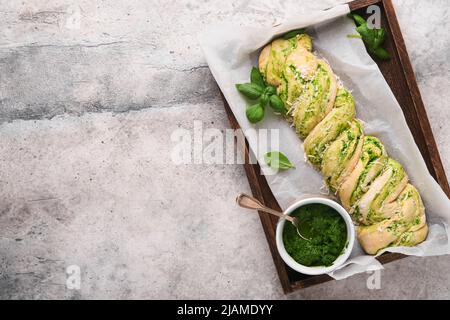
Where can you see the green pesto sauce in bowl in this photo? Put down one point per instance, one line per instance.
(326, 229)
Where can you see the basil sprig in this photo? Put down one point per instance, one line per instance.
(257, 89)
(255, 113)
(277, 160)
(250, 90)
(257, 78)
(276, 103)
(373, 37)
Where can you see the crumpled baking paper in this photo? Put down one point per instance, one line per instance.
(231, 51)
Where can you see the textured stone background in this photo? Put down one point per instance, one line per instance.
(89, 95)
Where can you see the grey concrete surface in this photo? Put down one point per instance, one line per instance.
(90, 93)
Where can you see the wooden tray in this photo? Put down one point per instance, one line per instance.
(399, 74)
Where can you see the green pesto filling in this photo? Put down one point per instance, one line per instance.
(327, 231)
(372, 152)
(316, 96)
(397, 176)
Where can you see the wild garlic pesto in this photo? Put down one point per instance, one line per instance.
(327, 231)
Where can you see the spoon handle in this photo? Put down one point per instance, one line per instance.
(245, 201)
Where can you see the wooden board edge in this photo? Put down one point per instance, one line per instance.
(252, 171)
(359, 4)
(419, 107)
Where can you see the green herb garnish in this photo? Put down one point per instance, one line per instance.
(277, 104)
(372, 37)
(256, 78)
(250, 90)
(277, 160)
(257, 89)
(255, 113)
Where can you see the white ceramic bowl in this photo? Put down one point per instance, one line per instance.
(316, 270)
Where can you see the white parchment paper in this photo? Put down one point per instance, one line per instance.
(232, 50)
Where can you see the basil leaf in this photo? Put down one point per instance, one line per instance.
(379, 37)
(373, 38)
(255, 113)
(277, 104)
(264, 99)
(271, 90)
(368, 35)
(250, 90)
(358, 19)
(381, 53)
(293, 33)
(277, 160)
(256, 78)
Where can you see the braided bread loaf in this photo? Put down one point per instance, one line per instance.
(372, 186)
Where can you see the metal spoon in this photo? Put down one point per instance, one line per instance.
(245, 201)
